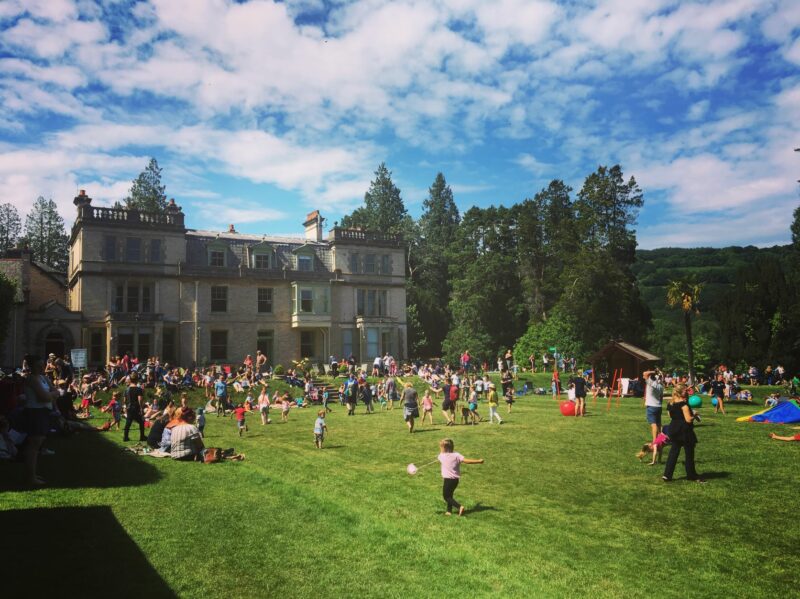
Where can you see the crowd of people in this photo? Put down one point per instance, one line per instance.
(152, 399)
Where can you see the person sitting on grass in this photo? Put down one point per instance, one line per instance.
(186, 442)
(779, 438)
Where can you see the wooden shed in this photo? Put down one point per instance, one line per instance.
(618, 355)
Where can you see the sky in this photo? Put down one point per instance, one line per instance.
(262, 111)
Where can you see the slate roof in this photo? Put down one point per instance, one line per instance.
(197, 244)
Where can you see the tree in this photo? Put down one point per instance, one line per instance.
(685, 294)
(559, 330)
(7, 296)
(597, 271)
(430, 285)
(46, 236)
(147, 192)
(796, 228)
(10, 227)
(486, 304)
(383, 208)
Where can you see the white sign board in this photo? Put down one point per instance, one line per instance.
(78, 357)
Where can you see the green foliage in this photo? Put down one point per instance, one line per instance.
(279, 370)
(10, 227)
(45, 235)
(430, 281)
(147, 192)
(8, 289)
(486, 302)
(557, 331)
(383, 208)
(796, 228)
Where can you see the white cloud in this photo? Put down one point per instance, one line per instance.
(698, 110)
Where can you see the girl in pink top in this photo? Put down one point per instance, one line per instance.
(427, 406)
(451, 473)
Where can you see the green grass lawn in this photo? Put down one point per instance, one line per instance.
(561, 508)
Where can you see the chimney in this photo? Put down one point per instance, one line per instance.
(313, 226)
(231, 229)
(82, 199)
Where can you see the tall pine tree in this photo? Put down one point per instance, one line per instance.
(46, 236)
(10, 227)
(147, 192)
(430, 287)
(383, 210)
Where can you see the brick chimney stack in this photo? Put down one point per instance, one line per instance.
(231, 229)
(313, 226)
(82, 199)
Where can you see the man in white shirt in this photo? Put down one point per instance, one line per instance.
(653, 398)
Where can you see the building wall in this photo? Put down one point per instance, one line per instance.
(182, 281)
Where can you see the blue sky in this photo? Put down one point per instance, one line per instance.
(262, 111)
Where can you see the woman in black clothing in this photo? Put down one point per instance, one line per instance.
(681, 434)
(134, 404)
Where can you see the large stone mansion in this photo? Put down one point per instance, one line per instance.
(142, 282)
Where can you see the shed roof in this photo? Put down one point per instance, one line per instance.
(637, 352)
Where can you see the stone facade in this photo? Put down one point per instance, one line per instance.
(146, 284)
(39, 321)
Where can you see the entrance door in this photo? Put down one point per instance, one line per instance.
(54, 344)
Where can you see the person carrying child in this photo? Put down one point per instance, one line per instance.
(320, 428)
(451, 474)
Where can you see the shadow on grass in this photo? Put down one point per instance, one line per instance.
(479, 507)
(93, 537)
(85, 460)
(425, 430)
(713, 475)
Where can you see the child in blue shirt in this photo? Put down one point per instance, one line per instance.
(320, 428)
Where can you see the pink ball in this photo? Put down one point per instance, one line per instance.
(411, 469)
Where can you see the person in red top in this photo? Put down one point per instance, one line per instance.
(555, 383)
(240, 412)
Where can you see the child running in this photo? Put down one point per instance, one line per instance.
(114, 407)
(240, 411)
(427, 406)
(451, 473)
(263, 405)
(286, 405)
(320, 428)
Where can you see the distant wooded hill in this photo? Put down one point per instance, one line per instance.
(718, 269)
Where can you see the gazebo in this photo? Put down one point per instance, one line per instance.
(619, 356)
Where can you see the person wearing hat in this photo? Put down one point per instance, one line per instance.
(491, 400)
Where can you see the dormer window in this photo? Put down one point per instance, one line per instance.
(217, 252)
(262, 256)
(261, 261)
(304, 258)
(216, 258)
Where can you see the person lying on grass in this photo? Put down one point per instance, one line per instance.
(778, 438)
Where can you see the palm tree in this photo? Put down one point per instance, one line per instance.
(685, 294)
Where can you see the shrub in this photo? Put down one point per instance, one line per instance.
(278, 370)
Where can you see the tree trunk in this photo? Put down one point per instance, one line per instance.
(687, 321)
